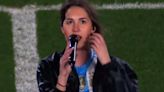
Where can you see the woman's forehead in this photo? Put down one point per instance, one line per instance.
(76, 12)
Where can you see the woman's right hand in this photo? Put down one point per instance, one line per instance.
(65, 67)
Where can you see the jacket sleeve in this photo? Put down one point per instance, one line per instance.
(121, 75)
(44, 78)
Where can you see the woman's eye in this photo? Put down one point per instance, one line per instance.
(69, 22)
(83, 21)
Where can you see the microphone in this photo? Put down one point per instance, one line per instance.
(73, 44)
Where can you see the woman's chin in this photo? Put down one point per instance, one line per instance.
(82, 47)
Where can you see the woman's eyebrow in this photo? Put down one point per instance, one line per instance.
(83, 18)
(68, 19)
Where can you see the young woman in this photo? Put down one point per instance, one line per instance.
(94, 69)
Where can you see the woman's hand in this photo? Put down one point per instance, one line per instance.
(97, 42)
(64, 69)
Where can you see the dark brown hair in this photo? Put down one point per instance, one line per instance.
(86, 6)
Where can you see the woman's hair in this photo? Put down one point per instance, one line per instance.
(86, 6)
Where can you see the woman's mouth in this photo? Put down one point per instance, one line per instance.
(74, 37)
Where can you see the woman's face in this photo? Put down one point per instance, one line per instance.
(77, 22)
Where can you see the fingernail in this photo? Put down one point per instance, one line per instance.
(72, 47)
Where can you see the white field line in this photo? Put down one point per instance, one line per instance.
(115, 6)
(25, 49)
(131, 6)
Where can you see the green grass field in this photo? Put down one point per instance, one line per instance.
(135, 35)
(7, 79)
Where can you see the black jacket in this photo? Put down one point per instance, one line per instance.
(116, 76)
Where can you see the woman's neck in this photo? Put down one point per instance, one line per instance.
(82, 56)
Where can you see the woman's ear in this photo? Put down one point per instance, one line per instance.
(94, 29)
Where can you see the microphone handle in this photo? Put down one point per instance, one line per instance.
(73, 55)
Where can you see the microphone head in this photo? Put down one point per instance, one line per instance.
(73, 43)
(73, 39)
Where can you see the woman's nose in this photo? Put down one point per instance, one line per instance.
(76, 28)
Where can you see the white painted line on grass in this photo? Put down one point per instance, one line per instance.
(25, 50)
(131, 6)
(115, 6)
